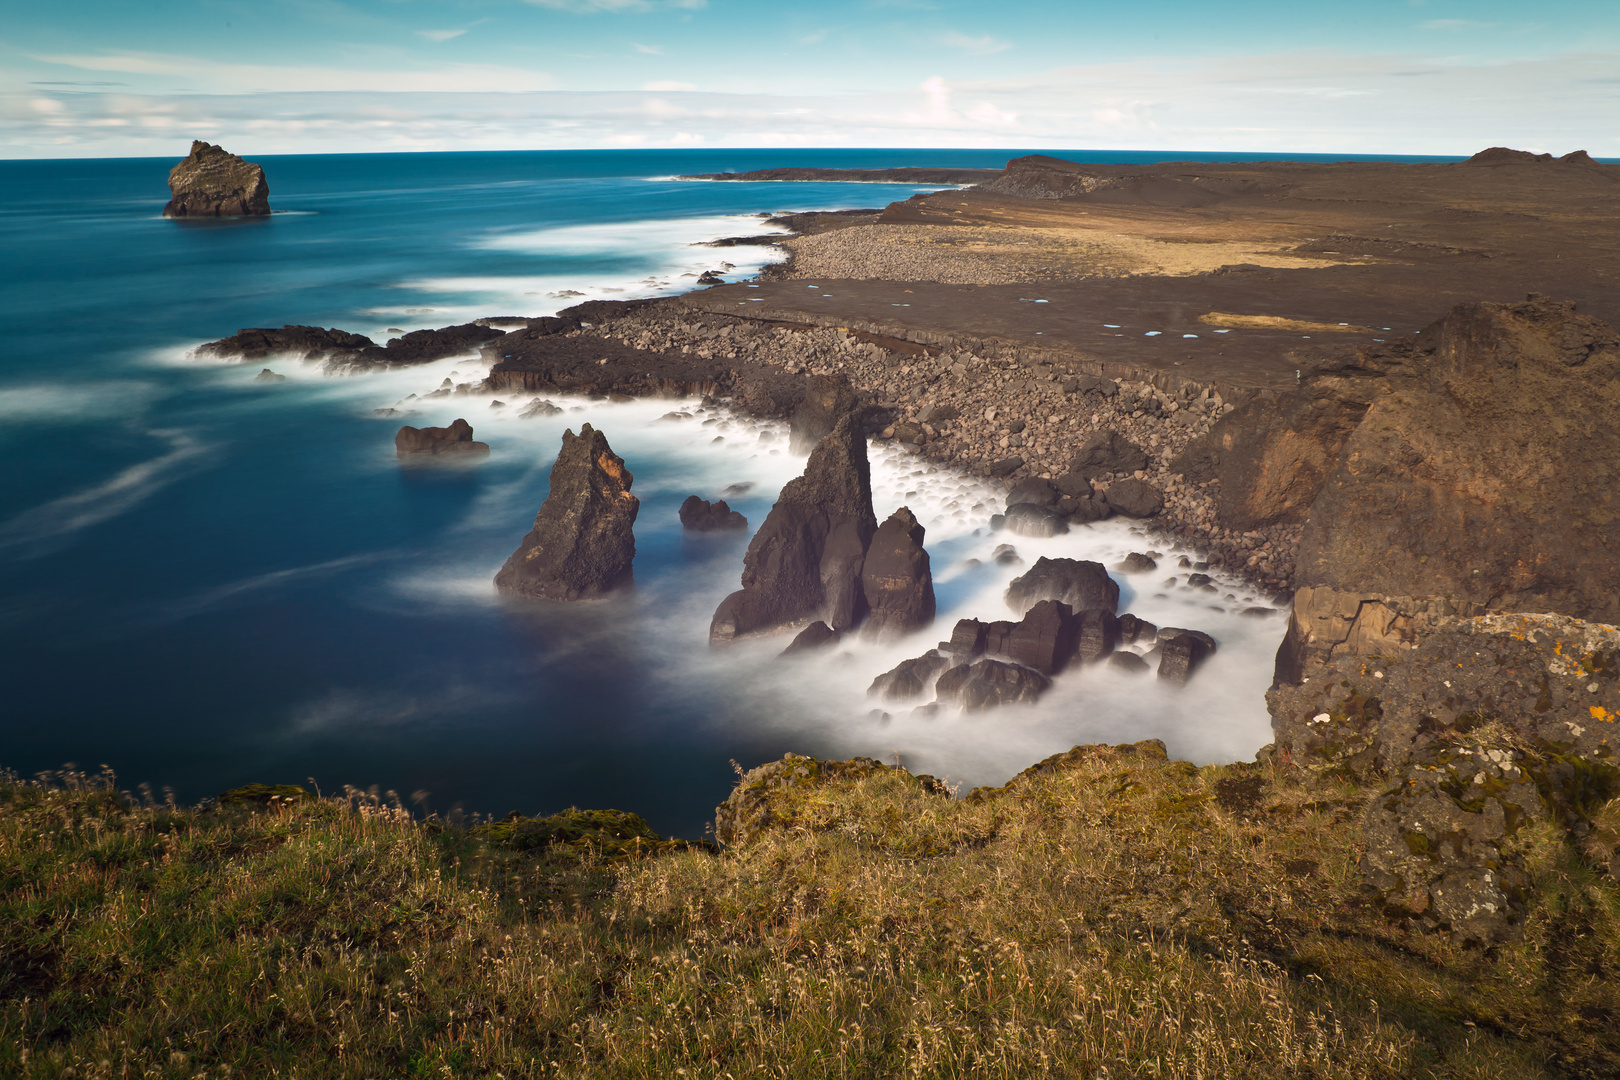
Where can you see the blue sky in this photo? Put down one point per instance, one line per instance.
(112, 77)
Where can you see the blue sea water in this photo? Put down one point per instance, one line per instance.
(209, 580)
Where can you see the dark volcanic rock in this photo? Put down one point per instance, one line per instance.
(967, 639)
(1096, 636)
(827, 399)
(1108, 452)
(1045, 639)
(1181, 651)
(455, 439)
(896, 578)
(1032, 519)
(269, 376)
(1129, 661)
(1136, 563)
(988, 683)
(212, 182)
(700, 515)
(1133, 630)
(1083, 585)
(302, 342)
(805, 561)
(911, 678)
(818, 635)
(1006, 466)
(1135, 498)
(1034, 490)
(582, 544)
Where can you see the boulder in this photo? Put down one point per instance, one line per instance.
(1081, 584)
(537, 407)
(1181, 652)
(1074, 485)
(967, 639)
(1129, 662)
(911, 678)
(212, 182)
(1096, 635)
(700, 515)
(896, 579)
(818, 635)
(582, 544)
(1135, 498)
(455, 439)
(1108, 452)
(827, 399)
(1136, 563)
(1034, 490)
(1031, 519)
(1044, 639)
(988, 683)
(805, 561)
(269, 376)
(1006, 466)
(1135, 631)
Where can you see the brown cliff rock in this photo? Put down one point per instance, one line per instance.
(211, 182)
(582, 544)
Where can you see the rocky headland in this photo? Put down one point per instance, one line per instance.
(212, 182)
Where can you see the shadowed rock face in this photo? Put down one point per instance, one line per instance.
(700, 515)
(455, 439)
(827, 399)
(896, 578)
(212, 182)
(806, 560)
(1488, 473)
(582, 544)
(1081, 584)
(988, 683)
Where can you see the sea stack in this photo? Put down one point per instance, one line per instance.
(455, 439)
(806, 560)
(212, 182)
(582, 544)
(896, 578)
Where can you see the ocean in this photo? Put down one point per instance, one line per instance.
(208, 580)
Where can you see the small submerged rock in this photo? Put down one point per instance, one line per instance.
(700, 515)
(269, 376)
(818, 635)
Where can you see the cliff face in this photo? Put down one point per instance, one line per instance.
(211, 182)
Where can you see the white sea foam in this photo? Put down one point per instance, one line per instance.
(54, 402)
(818, 703)
(253, 587)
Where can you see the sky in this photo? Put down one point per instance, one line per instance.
(115, 78)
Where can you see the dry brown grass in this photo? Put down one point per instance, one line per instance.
(1116, 915)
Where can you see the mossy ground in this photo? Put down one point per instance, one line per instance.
(1112, 914)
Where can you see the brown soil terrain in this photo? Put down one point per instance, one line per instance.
(1118, 252)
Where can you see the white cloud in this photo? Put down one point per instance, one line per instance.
(1455, 24)
(194, 74)
(650, 50)
(983, 45)
(440, 35)
(666, 86)
(1276, 103)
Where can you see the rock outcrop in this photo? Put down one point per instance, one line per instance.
(432, 441)
(700, 515)
(806, 560)
(986, 684)
(1489, 472)
(827, 399)
(212, 182)
(1135, 498)
(896, 579)
(1108, 452)
(1081, 584)
(345, 353)
(582, 544)
(1481, 727)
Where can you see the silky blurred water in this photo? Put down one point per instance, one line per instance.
(209, 580)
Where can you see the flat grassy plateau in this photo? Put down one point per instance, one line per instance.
(1108, 914)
